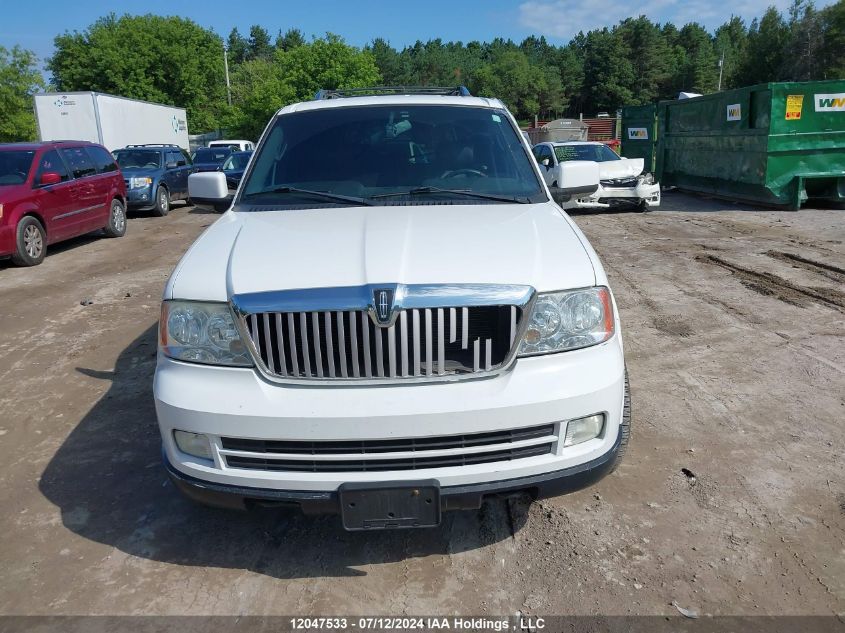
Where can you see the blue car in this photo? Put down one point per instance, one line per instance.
(210, 158)
(155, 175)
(234, 167)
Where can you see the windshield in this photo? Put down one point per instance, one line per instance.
(237, 162)
(393, 154)
(596, 153)
(14, 166)
(138, 158)
(212, 154)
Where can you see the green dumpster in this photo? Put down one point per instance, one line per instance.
(772, 144)
(639, 133)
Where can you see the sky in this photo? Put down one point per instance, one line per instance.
(33, 25)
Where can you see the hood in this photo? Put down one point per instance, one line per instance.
(248, 252)
(10, 193)
(624, 168)
(128, 172)
(207, 166)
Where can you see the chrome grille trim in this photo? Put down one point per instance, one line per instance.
(353, 335)
(315, 331)
(341, 342)
(280, 342)
(403, 333)
(389, 454)
(416, 338)
(292, 339)
(267, 340)
(275, 464)
(427, 338)
(441, 345)
(329, 344)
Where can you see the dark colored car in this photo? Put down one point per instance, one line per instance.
(234, 168)
(210, 158)
(155, 176)
(53, 191)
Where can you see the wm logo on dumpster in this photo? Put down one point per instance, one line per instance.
(830, 103)
(734, 112)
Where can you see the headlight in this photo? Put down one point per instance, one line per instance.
(647, 179)
(562, 321)
(201, 333)
(140, 183)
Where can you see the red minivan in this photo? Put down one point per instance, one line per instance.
(54, 191)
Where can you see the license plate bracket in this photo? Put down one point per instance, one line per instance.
(390, 505)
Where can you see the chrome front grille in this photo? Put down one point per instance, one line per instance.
(615, 183)
(348, 344)
(389, 454)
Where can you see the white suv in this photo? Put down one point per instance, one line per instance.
(393, 318)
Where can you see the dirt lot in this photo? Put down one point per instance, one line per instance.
(731, 501)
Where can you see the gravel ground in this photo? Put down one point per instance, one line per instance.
(731, 499)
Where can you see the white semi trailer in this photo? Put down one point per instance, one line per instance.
(112, 121)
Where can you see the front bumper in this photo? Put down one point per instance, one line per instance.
(231, 402)
(606, 197)
(7, 239)
(141, 199)
(467, 497)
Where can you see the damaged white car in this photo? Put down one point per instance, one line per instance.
(622, 180)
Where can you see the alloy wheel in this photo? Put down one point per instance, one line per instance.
(32, 241)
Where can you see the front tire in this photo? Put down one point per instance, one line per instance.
(117, 220)
(30, 242)
(162, 207)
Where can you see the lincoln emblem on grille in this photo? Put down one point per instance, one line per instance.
(383, 300)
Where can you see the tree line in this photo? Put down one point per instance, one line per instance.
(175, 61)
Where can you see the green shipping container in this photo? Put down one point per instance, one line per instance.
(773, 144)
(639, 133)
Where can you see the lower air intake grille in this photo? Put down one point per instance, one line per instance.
(388, 454)
(416, 463)
(417, 444)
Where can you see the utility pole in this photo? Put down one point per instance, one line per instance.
(226, 66)
(721, 65)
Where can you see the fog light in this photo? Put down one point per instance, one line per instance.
(195, 444)
(583, 429)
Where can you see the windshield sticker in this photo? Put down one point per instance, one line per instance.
(497, 118)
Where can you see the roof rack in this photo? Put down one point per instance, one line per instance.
(154, 145)
(442, 91)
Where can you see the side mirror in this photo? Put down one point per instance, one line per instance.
(181, 163)
(578, 177)
(545, 162)
(49, 178)
(208, 190)
(171, 164)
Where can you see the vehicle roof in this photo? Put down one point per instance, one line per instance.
(376, 100)
(232, 140)
(35, 145)
(559, 143)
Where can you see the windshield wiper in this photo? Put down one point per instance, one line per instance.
(462, 192)
(318, 194)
